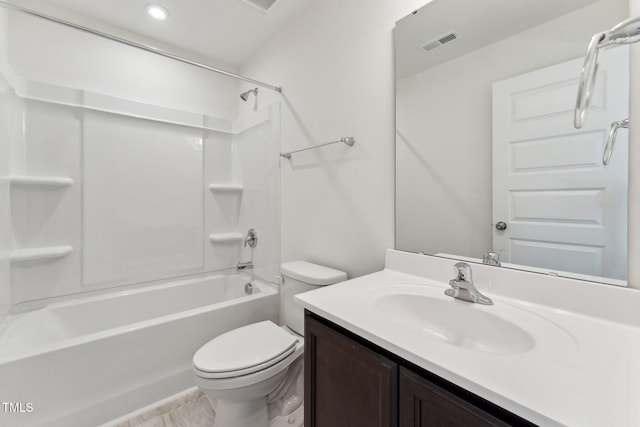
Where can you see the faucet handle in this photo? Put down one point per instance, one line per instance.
(251, 239)
(462, 286)
(463, 271)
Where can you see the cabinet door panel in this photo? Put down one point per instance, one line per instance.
(423, 404)
(346, 384)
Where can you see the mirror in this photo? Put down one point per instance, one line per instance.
(487, 158)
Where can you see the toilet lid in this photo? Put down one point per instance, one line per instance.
(244, 350)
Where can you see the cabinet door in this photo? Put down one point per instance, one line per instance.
(346, 384)
(423, 404)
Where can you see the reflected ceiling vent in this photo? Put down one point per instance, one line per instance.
(440, 41)
(261, 4)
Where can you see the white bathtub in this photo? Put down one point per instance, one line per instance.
(88, 361)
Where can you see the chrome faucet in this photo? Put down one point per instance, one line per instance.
(492, 258)
(250, 240)
(244, 265)
(462, 286)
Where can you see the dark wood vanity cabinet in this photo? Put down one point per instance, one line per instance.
(422, 403)
(347, 384)
(350, 382)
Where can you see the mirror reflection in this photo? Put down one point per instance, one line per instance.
(488, 158)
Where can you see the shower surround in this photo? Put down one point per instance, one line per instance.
(126, 222)
(110, 192)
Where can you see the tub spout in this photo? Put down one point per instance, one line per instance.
(244, 265)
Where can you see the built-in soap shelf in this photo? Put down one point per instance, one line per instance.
(40, 182)
(226, 188)
(225, 237)
(40, 254)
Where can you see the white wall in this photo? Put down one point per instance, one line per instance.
(51, 53)
(634, 160)
(335, 64)
(452, 163)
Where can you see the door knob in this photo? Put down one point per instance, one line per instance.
(501, 225)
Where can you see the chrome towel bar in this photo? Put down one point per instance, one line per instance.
(349, 140)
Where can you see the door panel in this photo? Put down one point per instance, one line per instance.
(564, 210)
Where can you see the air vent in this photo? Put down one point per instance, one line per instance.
(261, 4)
(440, 41)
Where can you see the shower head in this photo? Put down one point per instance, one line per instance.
(245, 95)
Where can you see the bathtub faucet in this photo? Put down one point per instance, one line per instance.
(244, 265)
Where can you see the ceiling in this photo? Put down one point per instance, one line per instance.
(223, 30)
(482, 23)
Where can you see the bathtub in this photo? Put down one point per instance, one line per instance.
(88, 361)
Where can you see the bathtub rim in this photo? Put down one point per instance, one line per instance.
(266, 289)
(38, 304)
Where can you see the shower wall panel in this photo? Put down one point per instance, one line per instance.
(108, 193)
(222, 208)
(259, 147)
(6, 113)
(248, 159)
(143, 207)
(46, 145)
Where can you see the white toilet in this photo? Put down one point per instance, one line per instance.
(240, 368)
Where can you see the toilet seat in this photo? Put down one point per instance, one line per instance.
(244, 351)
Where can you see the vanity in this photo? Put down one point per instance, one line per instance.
(391, 349)
(382, 389)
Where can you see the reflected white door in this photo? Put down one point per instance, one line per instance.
(563, 210)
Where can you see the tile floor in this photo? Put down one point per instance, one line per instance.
(190, 410)
(193, 409)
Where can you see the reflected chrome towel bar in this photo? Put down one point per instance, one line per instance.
(611, 139)
(349, 140)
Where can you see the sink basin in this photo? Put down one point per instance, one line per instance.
(455, 322)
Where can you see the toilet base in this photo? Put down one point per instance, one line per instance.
(243, 406)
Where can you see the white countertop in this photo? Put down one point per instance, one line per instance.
(583, 371)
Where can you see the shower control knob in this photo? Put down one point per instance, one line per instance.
(501, 225)
(252, 238)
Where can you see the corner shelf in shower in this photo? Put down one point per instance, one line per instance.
(226, 188)
(225, 237)
(40, 254)
(40, 182)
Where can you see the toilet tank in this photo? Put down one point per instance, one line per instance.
(299, 277)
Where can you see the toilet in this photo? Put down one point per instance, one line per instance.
(240, 368)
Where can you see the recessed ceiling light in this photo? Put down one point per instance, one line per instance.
(157, 12)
